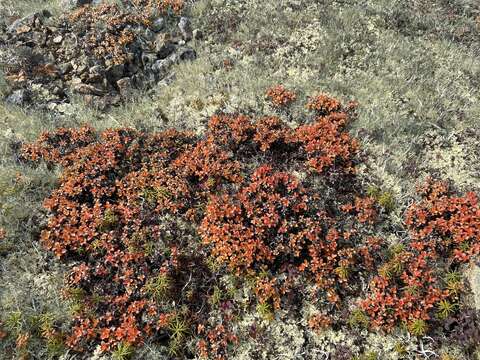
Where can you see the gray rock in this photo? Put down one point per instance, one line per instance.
(58, 39)
(148, 58)
(97, 70)
(81, 69)
(115, 72)
(125, 87)
(28, 21)
(197, 34)
(474, 280)
(39, 38)
(158, 24)
(185, 28)
(65, 68)
(73, 4)
(162, 66)
(19, 97)
(148, 34)
(187, 54)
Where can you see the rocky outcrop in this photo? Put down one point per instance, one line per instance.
(97, 52)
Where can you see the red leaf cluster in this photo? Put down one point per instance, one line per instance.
(279, 96)
(444, 231)
(117, 186)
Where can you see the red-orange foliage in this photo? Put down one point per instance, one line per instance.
(444, 230)
(448, 224)
(327, 145)
(323, 104)
(117, 186)
(280, 96)
(319, 322)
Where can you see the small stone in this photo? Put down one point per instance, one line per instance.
(58, 39)
(57, 91)
(162, 66)
(19, 97)
(65, 108)
(158, 24)
(97, 70)
(148, 58)
(52, 106)
(197, 34)
(187, 54)
(65, 68)
(185, 28)
(39, 38)
(23, 29)
(148, 34)
(125, 86)
(81, 69)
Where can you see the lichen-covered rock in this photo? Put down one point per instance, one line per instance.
(26, 23)
(474, 280)
(19, 97)
(185, 28)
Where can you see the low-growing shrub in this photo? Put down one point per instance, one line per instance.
(444, 232)
(148, 222)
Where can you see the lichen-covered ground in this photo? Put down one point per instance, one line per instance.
(413, 67)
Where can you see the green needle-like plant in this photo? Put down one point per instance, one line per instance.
(445, 309)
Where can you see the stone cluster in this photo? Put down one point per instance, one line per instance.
(46, 60)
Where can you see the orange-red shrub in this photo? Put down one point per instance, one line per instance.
(323, 104)
(327, 145)
(108, 219)
(444, 231)
(280, 96)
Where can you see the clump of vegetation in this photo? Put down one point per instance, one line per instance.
(280, 97)
(444, 231)
(138, 274)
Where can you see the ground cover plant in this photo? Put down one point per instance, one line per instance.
(139, 218)
(412, 66)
